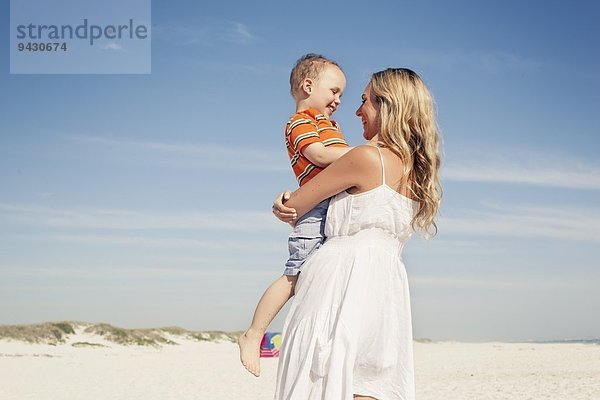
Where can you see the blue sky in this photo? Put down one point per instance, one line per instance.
(144, 200)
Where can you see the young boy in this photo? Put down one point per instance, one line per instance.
(313, 142)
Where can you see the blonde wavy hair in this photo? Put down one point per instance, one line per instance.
(409, 129)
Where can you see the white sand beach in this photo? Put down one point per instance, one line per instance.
(87, 366)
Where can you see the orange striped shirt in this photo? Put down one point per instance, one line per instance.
(304, 128)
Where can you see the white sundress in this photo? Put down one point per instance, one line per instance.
(349, 328)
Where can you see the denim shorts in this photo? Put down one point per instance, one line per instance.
(306, 238)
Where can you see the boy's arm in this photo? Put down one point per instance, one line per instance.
(322, 156)
(358, 169)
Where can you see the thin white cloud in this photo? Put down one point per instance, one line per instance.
(570, 223)
(525, 169)
(204, 33)
(127, 272)
(491, 62)
(499, 283)
(574, 179)
(239, 33)
(242, 30)
(179, 34)
(112, 46)
(502, 60)
(92, 218)
(245, 246)
(193, 155)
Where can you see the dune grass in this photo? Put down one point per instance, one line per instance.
(48, 332)
(55, 333)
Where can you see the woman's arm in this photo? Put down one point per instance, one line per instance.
(358, 168)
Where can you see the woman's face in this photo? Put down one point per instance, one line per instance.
(369, 114)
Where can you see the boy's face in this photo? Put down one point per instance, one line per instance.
(325, 93)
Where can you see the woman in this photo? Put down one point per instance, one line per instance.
(348, 332)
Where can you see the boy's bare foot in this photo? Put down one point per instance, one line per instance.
(249, 343)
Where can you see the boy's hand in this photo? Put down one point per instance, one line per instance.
(282, 212)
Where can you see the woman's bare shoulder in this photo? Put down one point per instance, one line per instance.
(363, 156)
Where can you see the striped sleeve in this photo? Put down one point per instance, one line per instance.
(301, 132)
(330, 134)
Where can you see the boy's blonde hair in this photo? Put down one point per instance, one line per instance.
(308, 66)
(409, 129)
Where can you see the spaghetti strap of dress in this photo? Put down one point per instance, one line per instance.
(382, 167)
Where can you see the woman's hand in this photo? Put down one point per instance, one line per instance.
(282, 212)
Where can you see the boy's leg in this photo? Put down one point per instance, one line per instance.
(271, 302)
(308, 235)
(306, 238)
